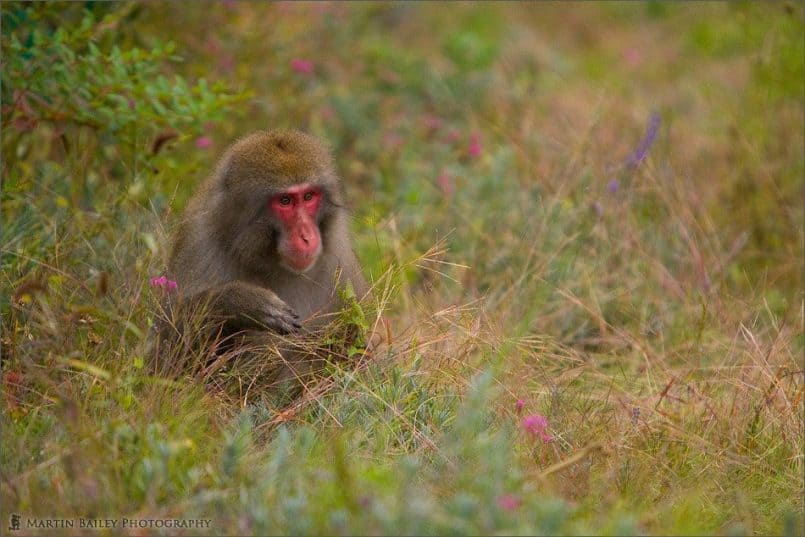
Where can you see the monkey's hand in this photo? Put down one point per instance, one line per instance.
(243, 305)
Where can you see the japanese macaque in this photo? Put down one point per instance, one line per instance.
(263, 248)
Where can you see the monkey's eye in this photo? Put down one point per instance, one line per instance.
(308, 196)
(285, 200)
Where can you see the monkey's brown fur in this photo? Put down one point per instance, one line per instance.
(225, 250)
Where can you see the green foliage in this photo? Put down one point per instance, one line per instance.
(74, 82)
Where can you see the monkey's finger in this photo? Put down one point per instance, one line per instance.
(284, 324)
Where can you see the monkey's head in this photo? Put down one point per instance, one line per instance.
(279, 194)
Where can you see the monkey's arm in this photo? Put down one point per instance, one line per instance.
(241, 305)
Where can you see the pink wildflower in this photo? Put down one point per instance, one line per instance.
(212, 45)
(226, 62)
(474, 148)
(537, 425)
(445, 183)
(204, 142)
(304, 67)
(508, 502)
(453, 135)
(164, 283)
(520, 405)
(327, 113)
(633, 57)
(393, 140)
(431, 122)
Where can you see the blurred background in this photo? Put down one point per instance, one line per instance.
(587, 212)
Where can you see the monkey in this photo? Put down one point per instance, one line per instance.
(264, 243)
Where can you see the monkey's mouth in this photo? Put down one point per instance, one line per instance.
(301, 263)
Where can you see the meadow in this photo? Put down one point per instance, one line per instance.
(583, 225)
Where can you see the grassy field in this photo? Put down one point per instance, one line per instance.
(584, 227)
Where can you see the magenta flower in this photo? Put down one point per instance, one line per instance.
(474, 148)
(537, 425)
(164, 283)
(303, 67)
(508, 502)
(520, 405)
(204, 142)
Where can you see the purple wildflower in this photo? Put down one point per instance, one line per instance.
(613, 186)
(641, 151)
(537, 425)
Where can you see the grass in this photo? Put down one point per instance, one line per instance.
(652, 313)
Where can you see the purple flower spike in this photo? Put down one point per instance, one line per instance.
(537, 425)
(641, 151)
(520, 405)
(613, 186)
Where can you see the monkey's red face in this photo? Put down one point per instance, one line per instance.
(296, 209)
